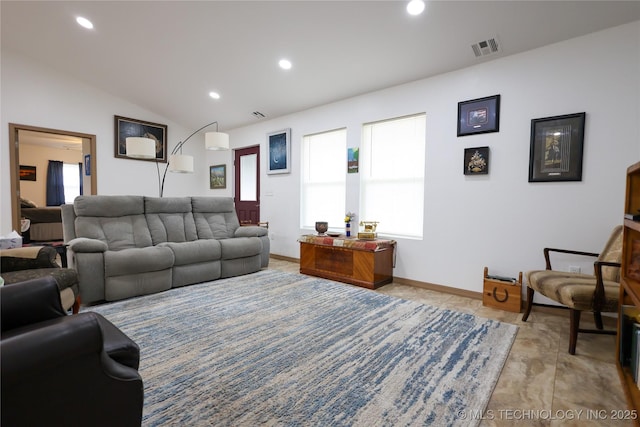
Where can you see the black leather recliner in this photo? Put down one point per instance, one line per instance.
(60, 370)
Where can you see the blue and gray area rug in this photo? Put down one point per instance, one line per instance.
(281, 349)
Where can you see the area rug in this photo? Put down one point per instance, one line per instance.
(282, 349)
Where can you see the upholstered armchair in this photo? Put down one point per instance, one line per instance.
(77, 370)
(598, 293)
(32, 262)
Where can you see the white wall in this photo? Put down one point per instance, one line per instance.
(38, 96)
(499, 220)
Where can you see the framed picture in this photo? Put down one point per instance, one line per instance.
(279, 152)
(87, 164)
(480, 115)
(353, 158)
(556, 148)
(476, 161)
(27, 173)
(125, 127)
(217, 177)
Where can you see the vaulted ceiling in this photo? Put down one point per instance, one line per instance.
(167, 56)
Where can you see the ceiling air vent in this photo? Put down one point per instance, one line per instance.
(258, 115)
(486, 47)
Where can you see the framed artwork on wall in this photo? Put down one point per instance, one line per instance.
(476, 161)
(27, 173)
(353, 159)
(217, 177)
(279, 152)
(87, 164)
(126, 127)
(556, 148)
(480, 115)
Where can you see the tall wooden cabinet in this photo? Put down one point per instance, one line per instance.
(630, 277)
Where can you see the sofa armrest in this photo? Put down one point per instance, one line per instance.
(28, 258)
(83, 244)
(66, 350)
(44, 345)
(547, 257)
(28, 302)
(250, 231)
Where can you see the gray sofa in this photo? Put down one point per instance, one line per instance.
(125, 246)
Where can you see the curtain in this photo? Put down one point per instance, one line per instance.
(55, 184)
(80, 170)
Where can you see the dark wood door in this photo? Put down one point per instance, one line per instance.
(247, 184)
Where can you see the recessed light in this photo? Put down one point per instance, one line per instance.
(415, 7)
(214, 95)
(84, 22)
(285, 64)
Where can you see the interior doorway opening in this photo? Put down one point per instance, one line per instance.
(32, 139)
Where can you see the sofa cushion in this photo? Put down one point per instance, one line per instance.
(108, 206)
(612, 252)
(118, 233)
(575, 290)
(194, 252)
(137, 260)
(251, 231)
(240, 247)
(170, 219)
(82, 244)
(117, 221)
(215, 217)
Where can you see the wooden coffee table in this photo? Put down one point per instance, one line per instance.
(366, 263)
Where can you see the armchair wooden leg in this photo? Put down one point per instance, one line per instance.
(574, 325)
(76, 305)
(597, 318)
(527, 310)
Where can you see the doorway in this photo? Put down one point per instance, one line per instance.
(54, 137)
(247, 184)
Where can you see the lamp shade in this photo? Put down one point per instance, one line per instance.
(181, 163)
(216, 141)
(140, 148)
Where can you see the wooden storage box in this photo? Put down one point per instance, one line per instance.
(502, 294)
(368, 264)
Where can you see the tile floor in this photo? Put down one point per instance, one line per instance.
(541, 383)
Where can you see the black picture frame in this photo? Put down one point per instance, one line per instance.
(126, 127)
(87, 165)
(478, 116)
(217, 177)
(279, 152)
(557, 145)
(27, 173)
(476, 161)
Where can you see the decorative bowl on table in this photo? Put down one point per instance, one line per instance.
(322, 227)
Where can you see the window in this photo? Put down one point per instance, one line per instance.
(392, 175)
(71, 180)
(324, 169)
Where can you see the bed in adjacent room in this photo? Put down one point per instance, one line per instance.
(46, 222)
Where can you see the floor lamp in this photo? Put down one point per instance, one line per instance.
(145, 148)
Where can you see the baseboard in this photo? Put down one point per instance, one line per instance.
(284, 258)
(438, 288)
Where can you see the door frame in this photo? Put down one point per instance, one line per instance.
(236, 175)
(14, 162)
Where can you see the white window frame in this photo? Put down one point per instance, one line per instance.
(392, 164)
(67, 168)
(323, 182)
